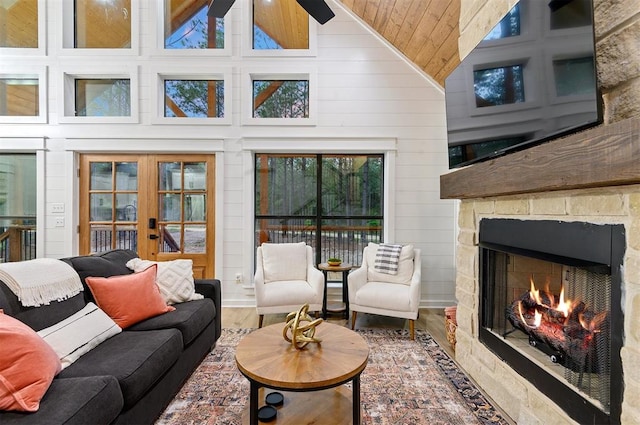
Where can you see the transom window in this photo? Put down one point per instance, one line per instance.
(187, 26)
(102, 24)
(19, 97)
(102, 97)
(19, 24)
(331, 202)
(279, 24)
(194, 98)
(280, 98)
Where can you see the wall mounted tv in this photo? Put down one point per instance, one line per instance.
(532, 78)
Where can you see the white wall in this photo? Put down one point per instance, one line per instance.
(368, 98)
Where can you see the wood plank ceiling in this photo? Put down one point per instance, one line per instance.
(425, 31)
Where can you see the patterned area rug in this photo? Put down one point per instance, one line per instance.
(405, 382)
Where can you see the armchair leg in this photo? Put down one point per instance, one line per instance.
(260, 319)
(412, 329)
(353, 320)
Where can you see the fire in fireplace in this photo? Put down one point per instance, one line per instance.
(550, 307)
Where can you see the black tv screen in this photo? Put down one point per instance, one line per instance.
(532, 78)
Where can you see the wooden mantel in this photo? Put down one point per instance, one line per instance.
(607, 155)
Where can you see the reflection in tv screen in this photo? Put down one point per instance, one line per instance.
(532, 78)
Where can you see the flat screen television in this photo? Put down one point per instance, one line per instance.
(532, 78)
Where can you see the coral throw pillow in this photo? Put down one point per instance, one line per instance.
(27, 366)
(129, 299)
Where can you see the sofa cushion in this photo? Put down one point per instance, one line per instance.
(189, 318)
(405, 266)
(137, 361)
(130, 298)
(74, 401)
(27, 366)
(174, 278)
(284, 261)
(79, 333)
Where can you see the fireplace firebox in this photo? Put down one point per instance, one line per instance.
(550, 307)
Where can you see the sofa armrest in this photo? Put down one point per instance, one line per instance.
(211, 288)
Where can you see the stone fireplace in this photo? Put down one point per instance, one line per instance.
(591, 178)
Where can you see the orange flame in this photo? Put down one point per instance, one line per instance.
(534, 293)
(594, 325)
(537, 319)
(563, 306)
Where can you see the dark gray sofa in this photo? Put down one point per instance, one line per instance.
(131, 377)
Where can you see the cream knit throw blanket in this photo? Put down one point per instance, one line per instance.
(40, 281)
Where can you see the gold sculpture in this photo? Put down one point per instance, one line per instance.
(301, 335)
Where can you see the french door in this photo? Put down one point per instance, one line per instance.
(161, 206)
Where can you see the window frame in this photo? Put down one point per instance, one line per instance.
(195, 73)
(296, 73)
(159, 29)
(41, 50)
(66, 15)
(32, 72)
(247, 38)
(66, 96)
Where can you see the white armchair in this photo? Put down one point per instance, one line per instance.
(286, 279)
(375, 292)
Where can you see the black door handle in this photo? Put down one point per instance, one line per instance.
(154, 236)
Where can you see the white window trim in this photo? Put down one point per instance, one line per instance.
(293, 73)
(41, 50)
(33, 72)
(250, 146)
(66, 98)
(159, 31)
(194, 73)
(247, 38)
(65, 12)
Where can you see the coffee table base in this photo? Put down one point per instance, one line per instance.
(324, 407)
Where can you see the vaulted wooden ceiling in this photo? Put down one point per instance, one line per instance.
(425, 31)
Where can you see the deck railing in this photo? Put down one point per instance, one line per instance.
(17, 243)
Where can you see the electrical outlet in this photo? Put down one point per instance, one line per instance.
(59, 221)
(238, 277)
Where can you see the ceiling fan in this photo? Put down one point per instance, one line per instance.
(318, 9)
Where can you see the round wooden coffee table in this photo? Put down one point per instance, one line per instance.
(267, 360)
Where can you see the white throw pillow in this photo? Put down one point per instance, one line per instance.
(174, 278)
(79, 333)
(405, 266)
(284, 261)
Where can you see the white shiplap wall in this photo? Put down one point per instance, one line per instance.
(367, 96)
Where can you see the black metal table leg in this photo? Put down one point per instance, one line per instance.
(324, 299)
(253, 403)
(356, 400)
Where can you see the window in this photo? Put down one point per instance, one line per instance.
(574, 76)
(22, 98)
(332, 202)
(110, 26)
(509, 26)
(103, 98)
(280, 99)
(17, 207)
(19, 24)
(576, 13)
(199, 97)
(100, 98)
(189, 27)
(499, 86)
(102, 24)
(279, 24)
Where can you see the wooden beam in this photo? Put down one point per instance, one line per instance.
(266, 94)
(607, 155)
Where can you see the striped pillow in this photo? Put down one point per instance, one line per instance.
(78, 334)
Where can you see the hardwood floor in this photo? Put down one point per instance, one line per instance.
(430, 320)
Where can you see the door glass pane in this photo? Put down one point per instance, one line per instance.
(195, 238)
(127, 237)
(126, 206)
(279, 24)
(169, 177)
(101, 237)
(19, 96)
(191, 27)
(126, 176)
(195, 176)
(194, 207)
(170, 207)
(101, 175)
(103, 24)
(170, 237)
(103, 97)
(101, 207)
